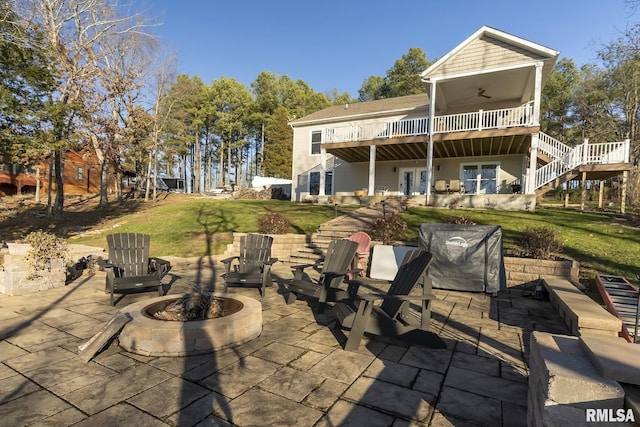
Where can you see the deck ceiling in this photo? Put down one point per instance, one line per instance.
(459, 144)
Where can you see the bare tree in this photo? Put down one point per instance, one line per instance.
(73, 32)
(160, 113)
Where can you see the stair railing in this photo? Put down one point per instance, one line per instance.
(585, 153)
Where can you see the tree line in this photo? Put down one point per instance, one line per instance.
(81, 74)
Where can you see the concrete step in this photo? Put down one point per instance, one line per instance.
(295, 259)
(310, 250)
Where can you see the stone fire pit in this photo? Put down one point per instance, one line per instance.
(149, 336)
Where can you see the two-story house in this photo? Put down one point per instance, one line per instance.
(472, 140)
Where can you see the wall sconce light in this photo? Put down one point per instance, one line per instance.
(437, 167)
(395, 169)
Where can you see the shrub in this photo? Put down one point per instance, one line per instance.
(45, 247)
(273, 223)
(387, 228)
(540, 242)
(461, 220)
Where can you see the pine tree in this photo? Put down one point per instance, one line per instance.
(279, 148)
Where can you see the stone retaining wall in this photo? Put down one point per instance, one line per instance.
(518, 270)
(14, 281)
(563, 384)
(580, 313)
(526, 270)
(283, 246)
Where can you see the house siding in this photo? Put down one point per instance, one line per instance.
(354, 176)
(485, 53)
(351, 176)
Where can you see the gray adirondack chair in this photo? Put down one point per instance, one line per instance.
(253, 265)
(391, 318)
(336, 264)
(130, 267)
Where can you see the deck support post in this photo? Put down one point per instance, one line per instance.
(432, 109)
(323, 171)
(533, 163)
(623, 191)
(583, 190)
(601, 195)
(372, 170)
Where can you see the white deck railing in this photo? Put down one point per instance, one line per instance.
(551, 146)
(477, 120)
(583, 154)
(481, 120)
(364, 132)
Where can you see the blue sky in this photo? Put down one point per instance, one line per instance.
(337, 44)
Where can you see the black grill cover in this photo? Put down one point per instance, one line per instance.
(465, 257)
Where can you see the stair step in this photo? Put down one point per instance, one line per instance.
(310, 250)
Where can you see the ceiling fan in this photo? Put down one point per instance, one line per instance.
(482, 95)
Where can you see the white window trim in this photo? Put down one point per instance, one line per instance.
(311, 153)
(498, 169)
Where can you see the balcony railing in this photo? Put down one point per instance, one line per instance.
(583, 154)
(477, 120)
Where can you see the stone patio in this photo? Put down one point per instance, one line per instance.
(295, 373)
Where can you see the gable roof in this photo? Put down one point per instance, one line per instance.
(490, 48)
(369, 108)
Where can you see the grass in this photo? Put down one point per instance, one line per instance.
(200, 226)
(600, 242)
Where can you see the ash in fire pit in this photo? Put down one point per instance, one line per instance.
(194, 306)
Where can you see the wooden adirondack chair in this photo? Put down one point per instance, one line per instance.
(392, 317)
(336, 264)
(130, 267)
(253, 265)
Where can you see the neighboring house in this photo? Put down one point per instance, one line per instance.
(476, 144)
(81, 175)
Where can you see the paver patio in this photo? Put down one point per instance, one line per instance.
(295, 373)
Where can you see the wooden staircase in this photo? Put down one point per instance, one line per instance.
(559, 163)
(556, 182)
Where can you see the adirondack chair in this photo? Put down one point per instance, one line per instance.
(364, 242)
(334, 267)
(253, 265)
(392, 317)
(129, 266)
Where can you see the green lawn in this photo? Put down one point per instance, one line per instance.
(196, 227)
(600, 242)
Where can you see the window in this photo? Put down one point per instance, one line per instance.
(314, 183)
(80, 173)
(316, 139)
(423, 182)
(328, 181)
(480, 179)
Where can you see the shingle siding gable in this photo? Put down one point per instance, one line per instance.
(486, 52)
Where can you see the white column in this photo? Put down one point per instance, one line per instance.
(623, 191)
(323, 171)
(537, 94)
(533, 163)
(372, 170)
(432, 97)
